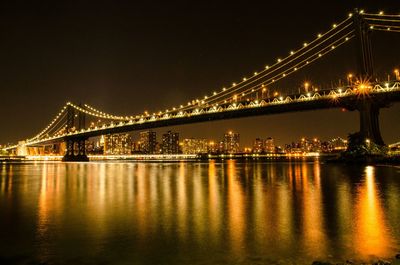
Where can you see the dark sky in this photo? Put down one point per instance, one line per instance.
(125, 57)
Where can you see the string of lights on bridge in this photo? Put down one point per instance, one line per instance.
(333, 95)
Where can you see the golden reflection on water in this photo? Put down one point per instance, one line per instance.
(271, 209)
(6, 183)
(182, 201)
(236, 205)
(314, 238)
(371, 235)
(214, 203)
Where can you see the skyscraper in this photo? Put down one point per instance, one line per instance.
(148, 142)
(231, 142)
(170, 143)
(269, 145)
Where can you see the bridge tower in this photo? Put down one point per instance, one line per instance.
(75, 145)
(368, 109)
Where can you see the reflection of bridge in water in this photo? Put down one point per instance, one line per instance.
(252, 96)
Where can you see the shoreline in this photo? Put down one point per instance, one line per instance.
(328, 159)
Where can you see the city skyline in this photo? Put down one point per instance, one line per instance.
(171, 142)
(284, 126)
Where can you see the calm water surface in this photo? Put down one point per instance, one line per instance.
(197, 213)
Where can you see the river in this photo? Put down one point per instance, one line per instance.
(212, 212)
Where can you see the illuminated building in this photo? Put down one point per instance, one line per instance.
(148, 142)
(231, 142)
(194, 146)
(338, 144)
(117, 144)
(264, 146)
(213, 147)
(170, 143)
(316, 145)
(258, 145)
(269, 145)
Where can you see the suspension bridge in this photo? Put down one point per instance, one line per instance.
(251, 96)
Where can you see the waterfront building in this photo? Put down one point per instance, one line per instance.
(338, 144)
(269, 145)
(213, 147)
(194, 146)
(231, 142)
(117, 144)
(148, 142)
(170, 143)
(258, 146)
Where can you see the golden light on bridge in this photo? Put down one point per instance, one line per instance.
(363, 87)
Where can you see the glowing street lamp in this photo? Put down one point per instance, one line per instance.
(350, 79)
(368, 142)
(306, 86)
(263, 92)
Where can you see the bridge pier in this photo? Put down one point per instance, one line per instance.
(369, 122)
(75, 150)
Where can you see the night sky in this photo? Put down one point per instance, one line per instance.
(125, 57)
